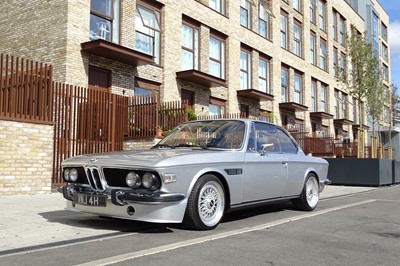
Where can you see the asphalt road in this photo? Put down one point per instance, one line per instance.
(359, 229)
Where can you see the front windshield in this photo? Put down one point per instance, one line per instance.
(222, 134)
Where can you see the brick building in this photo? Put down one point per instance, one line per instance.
(271, 59)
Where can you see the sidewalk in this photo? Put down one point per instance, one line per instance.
(31, 220)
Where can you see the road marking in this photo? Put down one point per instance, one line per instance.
(168, 247)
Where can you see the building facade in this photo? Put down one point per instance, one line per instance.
(272, 59)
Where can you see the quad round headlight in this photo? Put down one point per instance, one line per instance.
(133, 180)
(73, 175)
(150, 181)
(66, 174)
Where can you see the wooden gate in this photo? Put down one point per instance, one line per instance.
(86, 121)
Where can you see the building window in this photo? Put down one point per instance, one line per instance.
(322, 54)
(313, 11)
(322, 97)
(217, 5)
(264, 20)
(245, 70)
(245, 13)
(342, 65)
(190, 47)
(375, 34)
(147, 38)
(334, 24)
(342, 30)
(313, 46)
(321, 14)
(217, 107)
(284, 30)
(217, 57)
(336, 104)
(313, 96)
(385, 72)
(385, 54)
(263, 75)
(297, 5)
(298, 87)
(284, 85)
(384, 31)
(104, 20)
(344, 106)
(297, 38)
(145, 87)
(335, 61)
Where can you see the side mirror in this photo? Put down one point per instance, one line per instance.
(267, 147)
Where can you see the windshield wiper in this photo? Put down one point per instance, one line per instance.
(190, 146)
(163, 146)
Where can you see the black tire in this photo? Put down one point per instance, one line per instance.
(309, 197)
(206, 204)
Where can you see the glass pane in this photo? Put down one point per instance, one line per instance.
(243, 80)
(102, 6)
(140, 91)
(262, 85)
(149, 18)
(144, 43)
(187, 60)
(262, 28)
(262, 69)
(243, 17)
(243, 60)
(99, 28)
(214, 109)
(187, 37)
(215, 68)
(215, 48)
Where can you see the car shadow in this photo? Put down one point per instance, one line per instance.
(94, 222)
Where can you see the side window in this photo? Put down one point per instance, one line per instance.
(276, 139)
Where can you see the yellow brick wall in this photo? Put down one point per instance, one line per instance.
(26, 158)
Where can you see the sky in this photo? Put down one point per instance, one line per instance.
(392, 7)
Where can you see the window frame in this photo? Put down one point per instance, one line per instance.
(113, 19)
(267, 22)
(222, 6)
(313, 11)
(245, 72)
(323, 55)
(297, 42)
(156, 37)
(267, 78)
(221, 60)
(313, 49)
(322, 15)
(298, 91)
(284, 29)
(220, 104)
(314, 99)
(323, 97)
(195, 44)
(248, 9)
(285, 86)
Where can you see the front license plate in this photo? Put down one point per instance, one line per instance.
(90, 200)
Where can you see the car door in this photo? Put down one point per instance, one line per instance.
(265, 170)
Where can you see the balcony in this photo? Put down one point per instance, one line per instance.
(320, 115)
(255, 95)
(292, 106)
(201, 78)
(342, 121)
(116, 52)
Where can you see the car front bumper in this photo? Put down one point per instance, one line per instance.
(140, 206)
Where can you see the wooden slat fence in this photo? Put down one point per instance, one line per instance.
(25, 90)
(86, 121)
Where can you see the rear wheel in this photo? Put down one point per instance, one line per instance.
(309, 197)
(206, 204)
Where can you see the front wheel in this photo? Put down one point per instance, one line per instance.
(309, 197)
(206, 204)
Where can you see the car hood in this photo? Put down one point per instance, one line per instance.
(153, 158)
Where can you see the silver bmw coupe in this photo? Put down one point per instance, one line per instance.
(197, 173)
